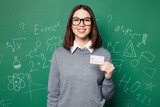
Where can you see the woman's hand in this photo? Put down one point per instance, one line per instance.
(107, 68)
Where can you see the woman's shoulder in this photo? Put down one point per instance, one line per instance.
(61, 50)
(102, 50)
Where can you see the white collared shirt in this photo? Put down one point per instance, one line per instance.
(75, 46)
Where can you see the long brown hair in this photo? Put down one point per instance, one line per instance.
(94, 34)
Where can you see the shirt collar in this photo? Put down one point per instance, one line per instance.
(75, 45)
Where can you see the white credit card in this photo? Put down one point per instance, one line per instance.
(94, 59)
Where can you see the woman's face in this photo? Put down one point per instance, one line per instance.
(81, 30)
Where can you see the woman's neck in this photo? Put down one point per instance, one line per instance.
(81, 42)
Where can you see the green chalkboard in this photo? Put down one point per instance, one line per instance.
(31, 30)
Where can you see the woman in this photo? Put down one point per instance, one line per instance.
(76, 79)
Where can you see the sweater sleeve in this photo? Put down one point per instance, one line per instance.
(108, 86)
(53, 84)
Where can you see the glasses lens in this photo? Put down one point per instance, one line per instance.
(75, 21)
(87, 21)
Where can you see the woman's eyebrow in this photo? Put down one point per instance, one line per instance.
(82, 18)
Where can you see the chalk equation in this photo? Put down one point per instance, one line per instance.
(113, 48)
(117, 64)
(129, 32)
(38, 29)
(135, 87)
(16, 44)
(32, 53)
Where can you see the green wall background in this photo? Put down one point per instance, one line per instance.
(30, 31)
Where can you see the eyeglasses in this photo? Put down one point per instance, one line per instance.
(86, 21)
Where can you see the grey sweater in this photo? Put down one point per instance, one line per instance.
(74, 82)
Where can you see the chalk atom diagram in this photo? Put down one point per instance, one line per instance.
(16, 82)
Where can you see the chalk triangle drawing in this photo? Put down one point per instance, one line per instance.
(129, 50)
(149, 72)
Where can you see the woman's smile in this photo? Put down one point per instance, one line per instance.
(81, 30)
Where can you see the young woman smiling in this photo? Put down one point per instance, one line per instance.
(81, 71)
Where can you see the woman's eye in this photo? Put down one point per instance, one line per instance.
(87, 20)
(76, 19)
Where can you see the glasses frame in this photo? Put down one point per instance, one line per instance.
(81, 20)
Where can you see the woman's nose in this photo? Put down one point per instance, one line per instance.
(81, 23)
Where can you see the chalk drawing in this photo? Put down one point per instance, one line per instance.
(29, 77)
(32, 66)
(1, 58)
(129, 103)
(109, 18)
(17, 42)
(129, 32)
(145, 54)
(150, 86)
(143, 99)
(16, 63)
(149, 72)
(38, 30)
(117, 64)
(44, 65)
(44, 61)
(53, 42)
(112, 48)
(143, 40)
(135, 87)
(129, 50)
(5, 102)
(16, 82)
(22, 27)
(125, 88)
(31, 53)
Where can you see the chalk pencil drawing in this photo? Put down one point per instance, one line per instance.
(143, 40)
